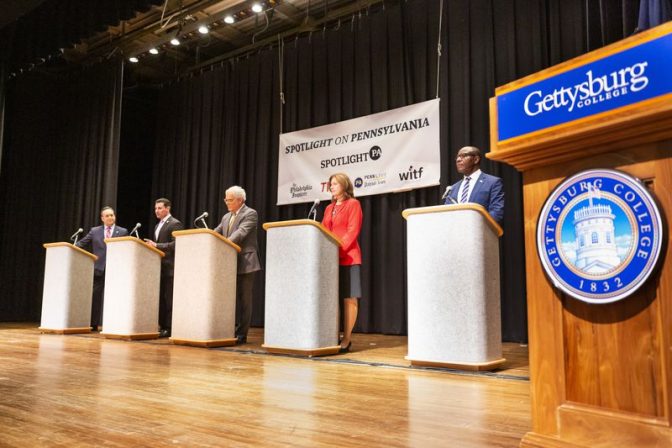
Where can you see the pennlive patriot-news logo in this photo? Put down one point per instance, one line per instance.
(599, 235)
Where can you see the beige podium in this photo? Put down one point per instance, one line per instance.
(301, 288)
(132, 282)
(68, 284)
(454, 317)
(204, 294)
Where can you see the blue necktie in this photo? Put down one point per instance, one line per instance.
(465, 190)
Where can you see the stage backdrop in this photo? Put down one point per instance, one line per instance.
(390, 151)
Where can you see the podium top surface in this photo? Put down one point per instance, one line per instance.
(219, 236)
(455, 207)
(132, 238)
(71, 246)
(304, 222)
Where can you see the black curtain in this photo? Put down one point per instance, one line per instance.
(221, 127)
(59, 167)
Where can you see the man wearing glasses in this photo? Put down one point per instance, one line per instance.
(240, 226)
(476, 186)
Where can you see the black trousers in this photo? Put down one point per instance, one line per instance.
(97, 298)
(166, 302)
(244, 290)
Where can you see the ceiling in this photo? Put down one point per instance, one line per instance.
(182, 18)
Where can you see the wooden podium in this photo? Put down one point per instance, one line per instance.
(454, 317)
(132, 282)
(601, 373)
(204, 294)
(68, 284)
(301, 288)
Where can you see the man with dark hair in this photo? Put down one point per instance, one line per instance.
(240, 226)
(476, 186)
(164, 241)
(94, 241)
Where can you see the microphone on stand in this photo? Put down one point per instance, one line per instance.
(446, 193)
(313, 210)
(135, 230)
(75, 236)
(202, 219)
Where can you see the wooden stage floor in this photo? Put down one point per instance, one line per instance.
(84, 390)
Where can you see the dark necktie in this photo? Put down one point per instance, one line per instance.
(465, 190)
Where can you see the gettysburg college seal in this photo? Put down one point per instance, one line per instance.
(599, 235)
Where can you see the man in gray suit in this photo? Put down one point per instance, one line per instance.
(95, 241)
(240, 226)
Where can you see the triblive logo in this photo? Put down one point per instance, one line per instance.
(599, 235)
(593, 90)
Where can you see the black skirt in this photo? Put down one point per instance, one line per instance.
(349, 281)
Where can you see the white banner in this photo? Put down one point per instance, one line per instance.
(389, 151)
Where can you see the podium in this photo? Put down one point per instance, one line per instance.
(204, 293)
(301, 288)
(68, 284)
(454, 317)
(601, 373)
(132, 282)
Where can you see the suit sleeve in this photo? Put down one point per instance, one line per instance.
(248, 223)
(496, 206)
(354, 226)
(85, 242)
(220, 227)
(169, 247)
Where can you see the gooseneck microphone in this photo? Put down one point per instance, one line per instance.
(313, 210)
(75, 236)
(135, 230)
(449, 188)
(202, 219)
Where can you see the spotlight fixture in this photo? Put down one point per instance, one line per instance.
(133, 59)
(229, 19)
(257, 7)
(203, 29)
(175, 41)
(153, 51)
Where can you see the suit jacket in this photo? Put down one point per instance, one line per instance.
(488, 191)
(244, 234)
(346, 223)
(166, 243)
(94, 241)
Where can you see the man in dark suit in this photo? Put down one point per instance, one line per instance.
(240, 226)
(164, 241)
(476, 186)
(94, 241)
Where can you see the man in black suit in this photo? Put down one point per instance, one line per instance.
(164, 241)
(94, 241)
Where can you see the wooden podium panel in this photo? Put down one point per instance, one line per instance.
(601, 373)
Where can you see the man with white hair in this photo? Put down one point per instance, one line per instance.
(240, 226)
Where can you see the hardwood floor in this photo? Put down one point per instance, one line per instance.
(83, 390)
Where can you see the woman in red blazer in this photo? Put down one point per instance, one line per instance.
(344, 217)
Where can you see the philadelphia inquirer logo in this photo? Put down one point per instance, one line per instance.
(599, 235)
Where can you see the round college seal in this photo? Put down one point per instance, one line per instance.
(599, 235)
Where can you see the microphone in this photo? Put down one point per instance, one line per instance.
(313, 209)
(202, 219)
(446, 193)
(75, 235)
(135, 230)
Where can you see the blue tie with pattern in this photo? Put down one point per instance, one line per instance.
(465, 190)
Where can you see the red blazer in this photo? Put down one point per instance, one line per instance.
(345, 221)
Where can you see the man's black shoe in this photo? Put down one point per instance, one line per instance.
(241, 339)
(164, 333)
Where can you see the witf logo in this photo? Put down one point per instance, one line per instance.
(411, 174)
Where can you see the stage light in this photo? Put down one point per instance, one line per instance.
(257, 7)
(175, 41)
(203, 29)
(133, 59)
(229, 19)
(153, 51)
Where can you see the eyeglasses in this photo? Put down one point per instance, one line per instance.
(462, 156)
(230, 200)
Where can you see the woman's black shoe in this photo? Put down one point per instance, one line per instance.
(345, 349)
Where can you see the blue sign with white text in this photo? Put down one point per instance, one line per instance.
(628, 77)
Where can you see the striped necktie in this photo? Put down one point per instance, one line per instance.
(465, 190)
(108, 232)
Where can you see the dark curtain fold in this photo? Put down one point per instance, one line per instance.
(60, 160)
(221, 128)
